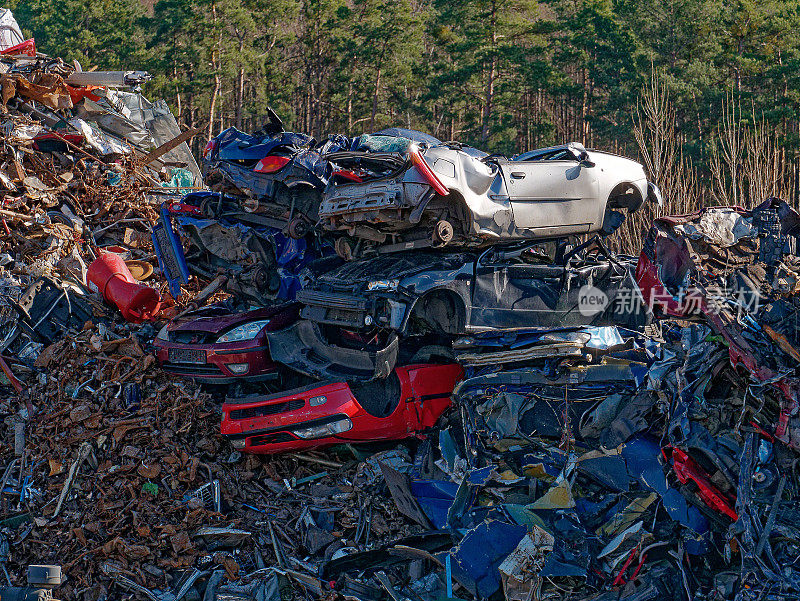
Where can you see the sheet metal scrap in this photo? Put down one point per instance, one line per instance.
(576, 463)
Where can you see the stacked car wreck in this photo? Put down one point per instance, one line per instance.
(582, 425)
(379, 367)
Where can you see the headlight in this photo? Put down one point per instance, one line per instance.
(162, 334)
(337, 427)
(383, 285)
(247, 331)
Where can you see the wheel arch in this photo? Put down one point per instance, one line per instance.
(443, 307)
(625, 195)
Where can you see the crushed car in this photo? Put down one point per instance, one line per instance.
(217, 346)
(261, 264)
(274, 174)
(418, 196)
(354, 316)
(400, 406)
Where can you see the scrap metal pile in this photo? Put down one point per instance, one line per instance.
(381, 367)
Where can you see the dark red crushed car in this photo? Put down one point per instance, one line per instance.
(410, 400)
(216, 346)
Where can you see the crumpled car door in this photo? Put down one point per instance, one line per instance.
(620, 300)
(510, 295)
(552, 197)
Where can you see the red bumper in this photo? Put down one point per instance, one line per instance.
(218, 363)
(318, 416)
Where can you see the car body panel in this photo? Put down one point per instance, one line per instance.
(554, 197)
(266, 423)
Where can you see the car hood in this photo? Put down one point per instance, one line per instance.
(216, 324)
(390, 267)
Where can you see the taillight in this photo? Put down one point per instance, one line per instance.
(212, 144)
(353, 177)
(271, 164)
(419, 162)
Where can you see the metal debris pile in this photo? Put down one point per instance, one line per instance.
(125, 483)
(579, 427)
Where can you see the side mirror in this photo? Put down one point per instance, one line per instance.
(583, 157)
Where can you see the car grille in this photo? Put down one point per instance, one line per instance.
(332, 300)
(262, 410)
(270, 439)
(188, 337)
(192, 369)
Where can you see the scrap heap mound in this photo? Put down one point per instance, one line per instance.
(114, 470)
(633, 466)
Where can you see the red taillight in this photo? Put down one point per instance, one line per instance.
(212, 144)
(419, 162)
(271, 164)
(353, 177)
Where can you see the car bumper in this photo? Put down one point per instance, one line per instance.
(266, 424)
(302, 348)
(385, 309)
(221, 366)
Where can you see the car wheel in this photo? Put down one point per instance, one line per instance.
(344, 248)
(443, 232)
(297, 228)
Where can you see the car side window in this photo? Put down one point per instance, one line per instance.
(561, 154)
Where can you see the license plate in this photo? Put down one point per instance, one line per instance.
(187, 355)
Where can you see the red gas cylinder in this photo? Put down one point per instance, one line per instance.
(109, 275)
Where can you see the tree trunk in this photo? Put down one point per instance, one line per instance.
(217, 78)
(240, 88)
(489, 96)
(375, 99)
(350, 108)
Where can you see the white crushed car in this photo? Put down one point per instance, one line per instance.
(451, 194)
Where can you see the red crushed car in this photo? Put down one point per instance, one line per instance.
(216, 346)
(410, 400)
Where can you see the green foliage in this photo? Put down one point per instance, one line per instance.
(106, 32)
(505, 75)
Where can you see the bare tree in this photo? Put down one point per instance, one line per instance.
(660, 147)
(747, 162)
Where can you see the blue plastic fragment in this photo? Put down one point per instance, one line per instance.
(435, 497)
(478, 555)
(449, 573)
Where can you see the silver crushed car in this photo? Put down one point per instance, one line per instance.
(451, 194)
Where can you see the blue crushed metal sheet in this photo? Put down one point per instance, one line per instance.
(169, 251)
